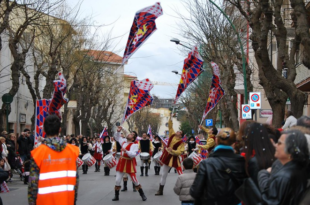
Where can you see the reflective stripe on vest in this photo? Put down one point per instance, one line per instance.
(59, 174)
(54, 189)
(57, 178)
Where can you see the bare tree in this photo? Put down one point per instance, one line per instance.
(218, 42)
(267, 17)
(21, 31)
(143, 118)
(5, 11)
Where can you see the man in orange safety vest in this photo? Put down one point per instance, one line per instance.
(53, 169)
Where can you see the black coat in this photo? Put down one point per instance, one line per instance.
(253, 169)
(23, 145)
(106, 147)
(12, 154)
(3, 175)
(84, 148)
(190, 146)
(212, 184)
(156, 147)
(284, 187)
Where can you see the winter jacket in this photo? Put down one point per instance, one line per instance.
(213, 185)
(156, 146)
(284, 187)
(12, 154)
(84, 148)
(183, 185)
(289, 122)
(23, 143)
(253, 169)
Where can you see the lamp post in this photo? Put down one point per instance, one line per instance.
(178, 42)
(242, 51)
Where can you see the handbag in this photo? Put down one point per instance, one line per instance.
(7, 166)
(249, 193)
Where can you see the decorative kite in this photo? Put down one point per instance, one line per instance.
(142, 28)
(58, 100)
(191, 70)
(41, 113)
(103, 134)
(202, 152)
(139, 97)
(45, 107)
(149, 131)
(216, 91)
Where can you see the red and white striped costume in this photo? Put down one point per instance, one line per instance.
(127, 162)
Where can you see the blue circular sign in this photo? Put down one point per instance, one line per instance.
(255, 97)
(246, 109)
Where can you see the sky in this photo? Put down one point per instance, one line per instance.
(157, 57)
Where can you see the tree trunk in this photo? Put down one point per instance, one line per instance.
(300, 18)
(49, 87)
(76, 122)
(84, 127)
(225, 114)
(298, 100)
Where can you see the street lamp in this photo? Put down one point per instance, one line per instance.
(178, 42)
(175, 40)
(242, 51)
(175, 72)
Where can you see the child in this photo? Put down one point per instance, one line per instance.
(184, 183)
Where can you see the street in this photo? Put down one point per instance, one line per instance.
(95, 189)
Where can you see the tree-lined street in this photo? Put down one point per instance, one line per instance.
(97, 189)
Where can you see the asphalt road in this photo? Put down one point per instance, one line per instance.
(97, 189)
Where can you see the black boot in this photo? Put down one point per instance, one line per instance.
(26, 179)
(96, 170)
(160, 190)
(142, 194)
(106, 171)
(134, 187)
(155, 169)
(125, 186)
(146, 171)
(117, 188)
(142, 168)
(84, 168)
(98, 167)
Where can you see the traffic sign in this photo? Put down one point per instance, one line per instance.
(255, 100)
(209, 122)
(246, 112)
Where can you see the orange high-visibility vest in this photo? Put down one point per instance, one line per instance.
(57, 174)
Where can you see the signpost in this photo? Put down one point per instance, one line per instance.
(209, 122)
(255, 100)
(246, 112)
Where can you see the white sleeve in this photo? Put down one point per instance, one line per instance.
(132, 153)
(117, 136)
(99, 148)
(287, 123)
